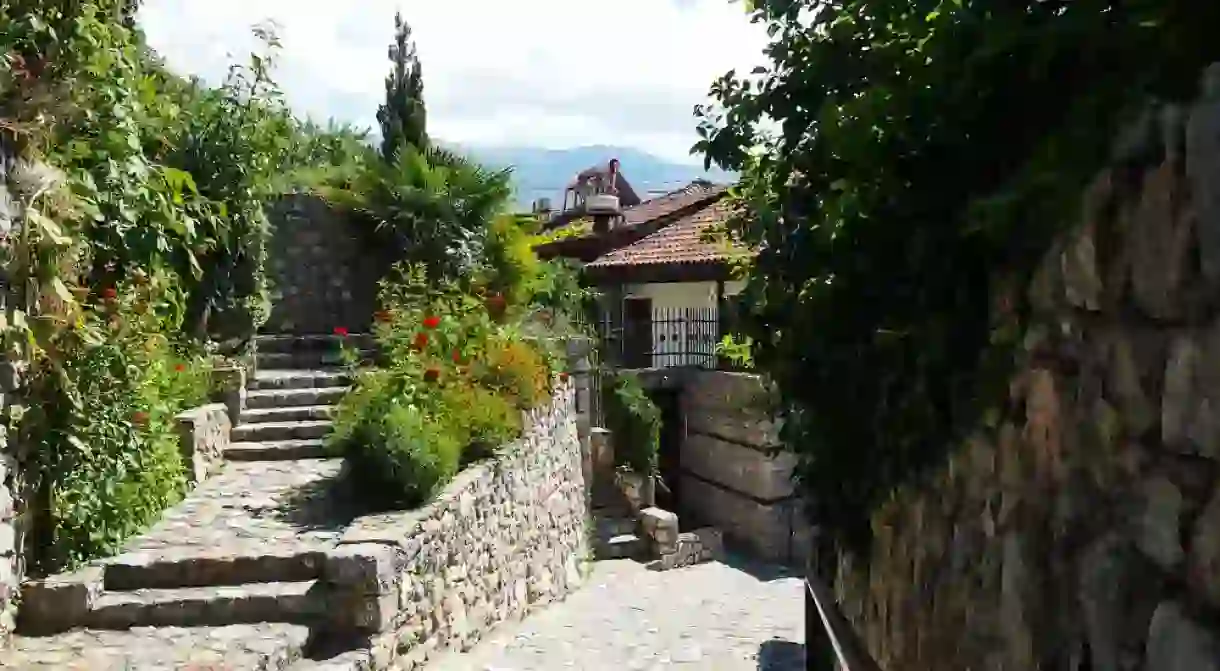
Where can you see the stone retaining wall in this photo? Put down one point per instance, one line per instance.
(733, 476)
(1081, 527)
(504, 538)
(321, 274)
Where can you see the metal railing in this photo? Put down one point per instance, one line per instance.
(670, 337)
(831, 644)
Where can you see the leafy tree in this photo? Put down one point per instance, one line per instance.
(923, 152)
(403, 117)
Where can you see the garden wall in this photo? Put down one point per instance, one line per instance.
(1081, 528)
(320, 271)
(732, 475)
(505, 537)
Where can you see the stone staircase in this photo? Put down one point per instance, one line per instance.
(240, 557)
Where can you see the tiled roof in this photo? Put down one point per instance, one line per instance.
(681, 242)
(655, 208)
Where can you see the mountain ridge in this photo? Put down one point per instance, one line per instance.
(545, 173)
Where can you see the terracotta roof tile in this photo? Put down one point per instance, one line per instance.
(680, 242)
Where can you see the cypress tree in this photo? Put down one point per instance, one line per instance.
(403, 117)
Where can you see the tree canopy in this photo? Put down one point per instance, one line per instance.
(925, 152)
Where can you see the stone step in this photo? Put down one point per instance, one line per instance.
(609, 527)
(266, 646)
(277, 450)
(282, 398)
(293, 602)
(299, 379)
(297, 413)
(256, 433)
(623, 546)
(265, 563)
(315, 342)
(299, 360)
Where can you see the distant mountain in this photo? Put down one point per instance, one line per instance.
(544, 173)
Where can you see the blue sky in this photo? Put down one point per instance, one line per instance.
(547, 73)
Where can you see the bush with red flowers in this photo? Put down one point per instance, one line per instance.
(108, 393)
(455, 363)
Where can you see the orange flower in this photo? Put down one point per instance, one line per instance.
(180, 367)
(432, 322)
(382, 315)
(139, 418)
(421, 340)
(432, 375)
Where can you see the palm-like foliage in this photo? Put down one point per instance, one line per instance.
(431, 207)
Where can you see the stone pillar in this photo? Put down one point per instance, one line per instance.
(582, 371)
(229, 383)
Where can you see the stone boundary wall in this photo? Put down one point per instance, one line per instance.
(733, 476)
(506, 537)
(1080, 527)
(321, 273)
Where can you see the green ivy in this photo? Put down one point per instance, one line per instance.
(634, 422)
(918, 157)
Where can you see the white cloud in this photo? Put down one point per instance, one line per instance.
(550, 73)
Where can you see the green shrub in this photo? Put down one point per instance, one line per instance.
(399, 452)
(109, 459)
(634, 422)
(489, 420)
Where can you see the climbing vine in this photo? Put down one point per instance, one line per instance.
(920, 156)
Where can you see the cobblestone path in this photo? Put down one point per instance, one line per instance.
(732, 616)
(224, 580)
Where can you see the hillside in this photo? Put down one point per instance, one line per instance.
(539, 173)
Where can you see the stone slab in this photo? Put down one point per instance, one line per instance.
(743, 469)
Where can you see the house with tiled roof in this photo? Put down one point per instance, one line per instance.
(664, 279)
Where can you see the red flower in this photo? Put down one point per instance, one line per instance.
(421, 340)
(109, 293)
(432, 322)
(180, 367)
(341, 331)
(432, 375)
(457, 356)
(139, 418)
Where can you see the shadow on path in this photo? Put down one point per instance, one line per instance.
(758, 569)
(329, 504)
(780, 655)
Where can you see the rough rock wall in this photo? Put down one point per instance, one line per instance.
(14, 494)
(320, 271)
(731, 477)
(1081, 529)
(504, 538)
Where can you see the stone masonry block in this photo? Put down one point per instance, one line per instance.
(366, 568)
(750, 471)
(60, 602)
(203, 435)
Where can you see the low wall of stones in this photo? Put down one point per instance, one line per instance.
(505, 537)
(1081, 527)
(733, 475)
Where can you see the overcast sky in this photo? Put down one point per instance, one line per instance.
(547, 73)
